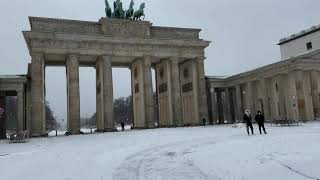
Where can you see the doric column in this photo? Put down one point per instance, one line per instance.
(3, 116)
(20, 110)
(28, 100)
(214, 105)
(176, 93)
(220, 114)
(38, 112)
(227, 110)
(104, 94)
(307, 96)
(148, 92)
(202, 95)
(73, 94)
(164, 92)
(291, 97)
(249, 97)
(264, 94)
(316, 92)
(239, 102)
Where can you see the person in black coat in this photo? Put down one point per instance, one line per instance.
(247, 119)
(122, 126)
(260, 120)
(204, 122)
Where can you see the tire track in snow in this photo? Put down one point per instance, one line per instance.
(297, 171)
(167, 161)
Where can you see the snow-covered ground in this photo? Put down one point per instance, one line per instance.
(215, 152)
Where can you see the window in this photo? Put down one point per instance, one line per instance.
(309, 45)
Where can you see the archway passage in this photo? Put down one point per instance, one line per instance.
(87, 86)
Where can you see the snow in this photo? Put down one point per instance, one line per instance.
(213, 152)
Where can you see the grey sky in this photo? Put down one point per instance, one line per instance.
(244, 35)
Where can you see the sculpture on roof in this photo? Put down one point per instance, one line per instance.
(119, 13)
(129, 12)
(108, 9)
(138, 14)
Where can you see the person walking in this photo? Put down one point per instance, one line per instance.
(122, 126)
(247, 119)
(204, 122)
(260, 120)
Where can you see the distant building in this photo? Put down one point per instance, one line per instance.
(288, 89)
(300, 43)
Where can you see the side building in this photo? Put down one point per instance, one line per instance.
(288, 89)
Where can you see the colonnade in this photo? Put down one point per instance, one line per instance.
(180, 89)
(292, 95)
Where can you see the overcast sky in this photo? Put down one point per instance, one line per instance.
(244, 34)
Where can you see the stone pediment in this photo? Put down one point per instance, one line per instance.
(127, 28)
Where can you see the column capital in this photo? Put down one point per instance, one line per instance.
(37, 55)
(104, 56)
(201, 58)
(175, 58)
(147, 60)
(72, 57)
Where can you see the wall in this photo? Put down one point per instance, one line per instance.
(298, 46)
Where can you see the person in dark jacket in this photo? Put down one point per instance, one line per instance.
(260, 120)
(122, 126)
(247, 119)
(204, 122)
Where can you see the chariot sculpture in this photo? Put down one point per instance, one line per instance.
(119, 13)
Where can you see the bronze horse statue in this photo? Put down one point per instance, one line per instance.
(108, 9)
(118, 12)
(138, 14)
(129, 12)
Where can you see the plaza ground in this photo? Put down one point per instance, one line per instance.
(215, 152)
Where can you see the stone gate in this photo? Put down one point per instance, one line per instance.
(176, 54)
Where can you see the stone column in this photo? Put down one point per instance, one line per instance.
(176, 93)
(38, 112)
(28, 100)
(249, 97)
(20, 110)
(148, 92)
(73, 94)
(316, 92)
(265, 100)
(104, 94)
(228, 105)
(3, 116)
(239, 103)
(202, 95)
(292, 97)
(307, 96)
(214, 105)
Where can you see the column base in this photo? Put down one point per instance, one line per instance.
(73, 133)
(106, 130)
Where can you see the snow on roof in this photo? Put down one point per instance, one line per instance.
(11, 76)
(300, 34)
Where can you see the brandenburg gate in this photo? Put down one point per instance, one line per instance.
(176, 54)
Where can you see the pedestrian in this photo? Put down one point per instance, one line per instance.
(204, 122)
(122, 126)
(247, 119)
(260, 120)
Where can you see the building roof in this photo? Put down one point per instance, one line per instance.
(300, 34)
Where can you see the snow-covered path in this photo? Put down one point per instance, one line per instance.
(215, 152)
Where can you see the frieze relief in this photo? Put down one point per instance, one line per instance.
(43, 45)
